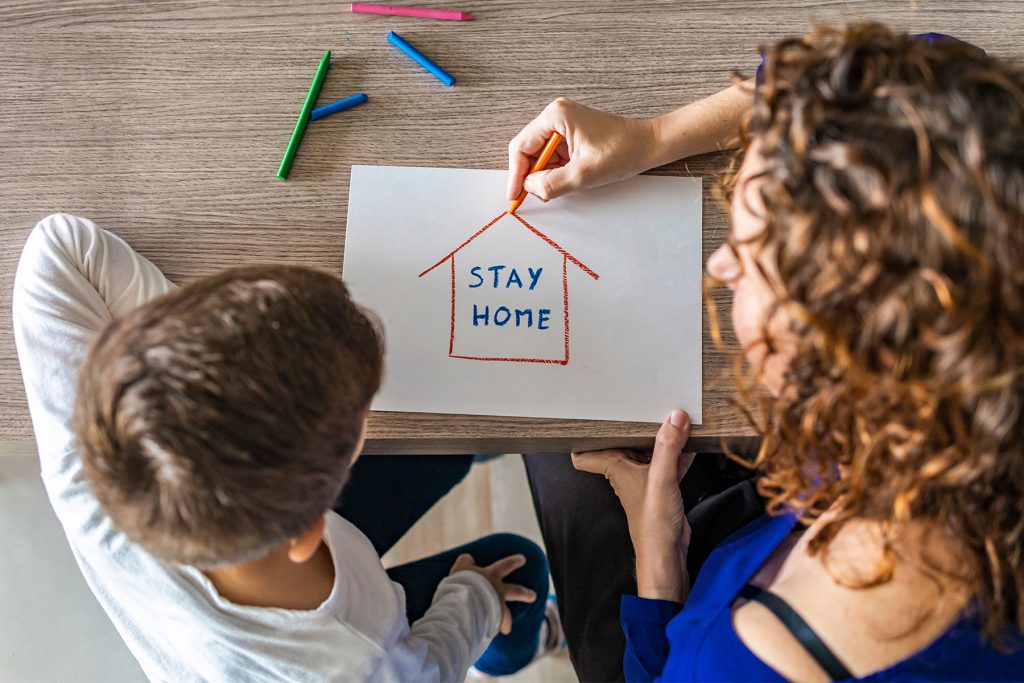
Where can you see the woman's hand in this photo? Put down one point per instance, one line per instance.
(599, 148)
(649, 493)
(495, 573)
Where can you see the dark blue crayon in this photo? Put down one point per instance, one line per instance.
(335, 107)
(421, 59)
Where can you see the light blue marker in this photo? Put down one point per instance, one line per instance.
(340, 105)
(421, 58)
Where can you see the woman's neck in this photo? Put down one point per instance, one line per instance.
(866, 552)
(903, 575)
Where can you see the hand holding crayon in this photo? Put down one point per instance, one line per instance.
(604, 148)
(538, 165)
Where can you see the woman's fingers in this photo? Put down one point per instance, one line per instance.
(518, 167)
(672, 437)
(596, 462)
(529, 142)
(522, 150)
(597, 148)
(667, 462)
(554, 182)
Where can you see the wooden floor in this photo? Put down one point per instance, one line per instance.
(165, 120)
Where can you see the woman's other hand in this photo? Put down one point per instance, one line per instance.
(649, 493)
(599, 148)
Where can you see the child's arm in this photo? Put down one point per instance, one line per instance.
(455, 630)
(72, 279)
(452, 634)
(601, 148)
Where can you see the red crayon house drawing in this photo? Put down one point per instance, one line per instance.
(510, 303)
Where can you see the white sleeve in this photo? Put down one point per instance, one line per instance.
(449, 637)
(72, 279)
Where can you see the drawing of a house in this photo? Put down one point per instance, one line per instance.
(509, 294)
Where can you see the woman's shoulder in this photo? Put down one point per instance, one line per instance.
(905, 620)
(961, 653)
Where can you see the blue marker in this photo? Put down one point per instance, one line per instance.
(335, 107)
(421, 58)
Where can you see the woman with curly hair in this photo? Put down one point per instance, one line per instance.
(876, 262)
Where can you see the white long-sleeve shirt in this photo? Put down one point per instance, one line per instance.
(73, 278)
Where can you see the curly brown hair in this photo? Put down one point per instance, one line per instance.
(894, 207)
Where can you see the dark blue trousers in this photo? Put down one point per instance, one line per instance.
(387, 494)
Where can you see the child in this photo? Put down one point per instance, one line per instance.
(213, 428)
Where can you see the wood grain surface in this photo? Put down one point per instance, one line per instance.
(164, 121)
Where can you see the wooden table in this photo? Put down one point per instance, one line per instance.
(164, 121)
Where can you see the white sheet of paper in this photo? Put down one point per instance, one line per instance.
(626, 258)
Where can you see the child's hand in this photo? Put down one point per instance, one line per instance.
(507, 592)
(599, 148)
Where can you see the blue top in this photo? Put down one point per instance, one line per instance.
(669, 642)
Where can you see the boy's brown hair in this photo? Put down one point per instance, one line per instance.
(220, 420)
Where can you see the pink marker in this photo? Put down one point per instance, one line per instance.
(421, 12)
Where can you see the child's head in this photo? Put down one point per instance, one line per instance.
(877, 260)
(219, 421)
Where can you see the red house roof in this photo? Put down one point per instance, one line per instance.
(554, 245)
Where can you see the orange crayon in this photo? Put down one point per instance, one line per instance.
(542, 161)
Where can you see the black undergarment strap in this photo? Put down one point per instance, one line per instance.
(795, 624)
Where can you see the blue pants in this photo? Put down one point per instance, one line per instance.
(387, 494)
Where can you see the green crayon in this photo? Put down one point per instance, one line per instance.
(300, 125)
